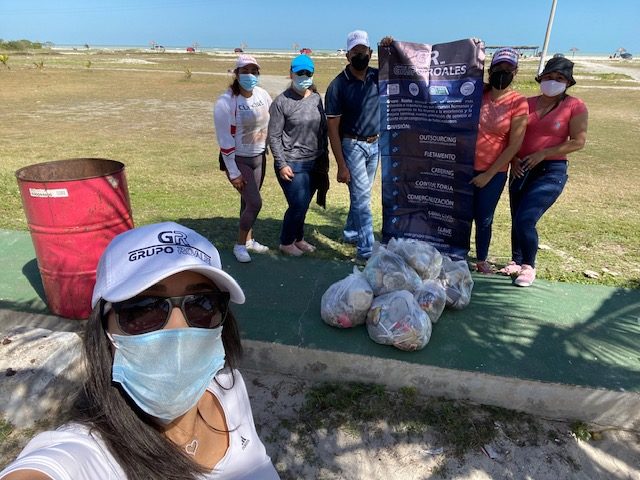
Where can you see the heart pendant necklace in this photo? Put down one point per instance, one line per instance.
(192, 447)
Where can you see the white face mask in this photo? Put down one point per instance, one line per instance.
(552, 88)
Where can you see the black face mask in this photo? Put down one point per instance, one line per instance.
(360, 61)
(500, 79)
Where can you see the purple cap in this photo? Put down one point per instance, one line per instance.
(506, 54)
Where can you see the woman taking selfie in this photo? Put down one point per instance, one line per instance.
(162, 398)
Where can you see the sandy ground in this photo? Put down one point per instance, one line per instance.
(608, 68)
(382, 450)
(552, 453)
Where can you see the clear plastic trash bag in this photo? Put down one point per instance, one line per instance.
(423, 257)
(456, 279)
(396, 319)
(387, 272)
(432, 298)
(345, 303)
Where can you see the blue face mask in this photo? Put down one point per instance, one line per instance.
(165, 372)
(248, 81)
(301, 83)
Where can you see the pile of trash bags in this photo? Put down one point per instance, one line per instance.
(402, 291)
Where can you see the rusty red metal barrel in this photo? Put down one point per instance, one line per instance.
(74, 208)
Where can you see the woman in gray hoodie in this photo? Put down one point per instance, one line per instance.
(298, 141)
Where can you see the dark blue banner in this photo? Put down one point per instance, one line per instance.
(430, 98)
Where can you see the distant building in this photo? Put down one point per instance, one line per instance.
(523, 50)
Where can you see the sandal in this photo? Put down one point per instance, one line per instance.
(484, 267)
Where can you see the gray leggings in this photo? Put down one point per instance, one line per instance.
(252, 170)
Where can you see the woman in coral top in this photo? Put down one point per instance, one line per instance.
(503, 120)
(557, 126)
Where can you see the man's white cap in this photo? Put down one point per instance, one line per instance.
(139, 258)
(357, 37)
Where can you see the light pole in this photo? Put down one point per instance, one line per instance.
(546, 37)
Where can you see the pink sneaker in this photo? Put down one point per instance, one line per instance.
(512, 268)
(484, 267)
(291, 250)
(305, 246)
(526, 276)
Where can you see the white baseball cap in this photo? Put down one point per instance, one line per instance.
(139, 258)
(244, 60)
(357, 37)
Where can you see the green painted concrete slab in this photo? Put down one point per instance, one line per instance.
(552, 332)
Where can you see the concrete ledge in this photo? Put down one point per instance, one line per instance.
(10, 319)
(40, 373)
(549, 400)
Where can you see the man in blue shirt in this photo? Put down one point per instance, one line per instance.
(351, 105)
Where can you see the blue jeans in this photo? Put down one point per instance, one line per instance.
(485, 201)
(362, 161)
(298, 193)
(530, 197)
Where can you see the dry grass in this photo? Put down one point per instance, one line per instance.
(141, 109)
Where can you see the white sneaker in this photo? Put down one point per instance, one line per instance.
(241, 254)
(255, 246)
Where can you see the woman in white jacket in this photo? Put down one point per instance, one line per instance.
(241, 118)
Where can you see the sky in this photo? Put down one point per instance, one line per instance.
(588, 25)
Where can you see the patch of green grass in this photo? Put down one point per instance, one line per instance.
(581, 431)
(358, 409)
(612, 76)
(5, 430)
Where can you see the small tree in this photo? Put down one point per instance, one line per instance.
(187, 73)
(4, 59)
(88, 64)
(39, 65)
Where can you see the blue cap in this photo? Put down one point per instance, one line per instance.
(302, 62)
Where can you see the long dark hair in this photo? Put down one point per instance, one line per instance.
(132, 436)
(235, 87)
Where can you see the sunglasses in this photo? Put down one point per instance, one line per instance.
(304, 73)
(140, 315)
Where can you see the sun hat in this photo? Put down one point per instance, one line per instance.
(302, 62)
(139, 258)
(560, 65)
(357, 37)
(244, 60)
(505, 54)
